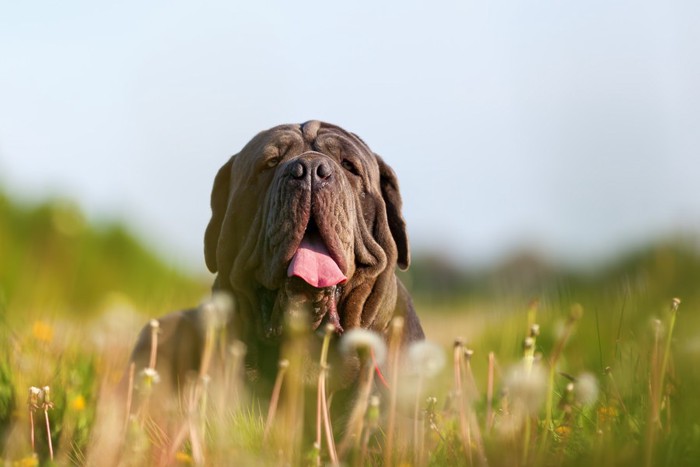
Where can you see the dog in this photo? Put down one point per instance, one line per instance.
(304, 216)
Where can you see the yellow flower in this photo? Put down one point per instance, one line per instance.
(29, 461)
(78, 403)
(563, 430)
(183, 457)
(42, 331)
(606, 414)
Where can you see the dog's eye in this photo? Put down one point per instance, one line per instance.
(270, 163)
(350, 167)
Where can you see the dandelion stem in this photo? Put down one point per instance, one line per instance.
(394, 347)
(526, 440)
(33, 403)
(328, 427)
(459, 393)
(618, 394)
(550, 400)
(471, 417)
(48, 432)
(322, 403)
(274, 399)
(319, 415)
(489, 393)
(667, 349)
(31, 429)
(372, 426)
(655, 398)
(154, 344)
(574, 316)
(129, 395)
(417, 437)
(356, 422)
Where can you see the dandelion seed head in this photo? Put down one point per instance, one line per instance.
(657, 326)
(526, 388)
(218, 309)
(359, 340)
(675, 303)
(149, 376)
(576, 312)
(238, 349)
(586, 389)
(426, 358)
(34, 395)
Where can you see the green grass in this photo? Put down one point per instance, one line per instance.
(75, 296)
(645, 412)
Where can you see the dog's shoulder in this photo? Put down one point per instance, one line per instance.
(178, 339)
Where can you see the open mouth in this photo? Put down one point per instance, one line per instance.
(314, 277)
(314, 284)
(313, 263)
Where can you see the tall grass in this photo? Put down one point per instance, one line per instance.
(546, 401)
(599, 369)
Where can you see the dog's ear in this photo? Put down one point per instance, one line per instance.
(219, 205)
(392, 198)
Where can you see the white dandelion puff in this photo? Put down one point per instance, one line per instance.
(527, 388)
(426, 358)
(149, 376)
(218, 309)
(586, 389)
(359, 340)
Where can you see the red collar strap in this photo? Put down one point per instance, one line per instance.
(379, 373)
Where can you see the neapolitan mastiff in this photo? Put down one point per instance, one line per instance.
(304, 216)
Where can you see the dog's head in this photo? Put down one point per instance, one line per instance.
(307, 215)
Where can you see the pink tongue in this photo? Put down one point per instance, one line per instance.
(314, 265)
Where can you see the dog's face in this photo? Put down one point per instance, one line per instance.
(307, 216)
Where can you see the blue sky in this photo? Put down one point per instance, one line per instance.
(570, 127)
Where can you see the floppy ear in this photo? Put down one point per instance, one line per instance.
(219, 205)
(392, 198)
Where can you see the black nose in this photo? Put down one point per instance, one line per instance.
(317, 168)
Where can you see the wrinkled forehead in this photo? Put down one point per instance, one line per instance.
(291, 140)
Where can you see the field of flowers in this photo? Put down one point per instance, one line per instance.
(532, 387)
(597, 369)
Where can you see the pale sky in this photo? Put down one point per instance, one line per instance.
(572, 127)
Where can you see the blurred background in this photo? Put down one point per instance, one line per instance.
(537, 143)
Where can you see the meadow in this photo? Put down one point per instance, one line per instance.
(526, 364)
